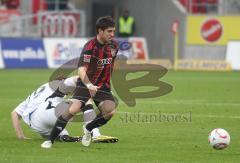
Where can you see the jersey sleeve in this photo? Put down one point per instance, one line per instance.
(86, 55)
(21, 108)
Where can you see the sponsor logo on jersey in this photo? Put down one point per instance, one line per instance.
(106, 61)
(86, 58)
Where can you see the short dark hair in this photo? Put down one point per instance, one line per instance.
(104, 23)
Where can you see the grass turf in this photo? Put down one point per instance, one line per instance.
(148, 132)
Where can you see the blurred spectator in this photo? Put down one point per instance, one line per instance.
(185, 3)
(126, 25)
(12, 4)
(235, 7)
(38, 5)
(200, 6)
(194, 6)
(2, 4)
(57, 4)
(212, 6)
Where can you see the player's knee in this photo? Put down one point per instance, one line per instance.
(111, 114)
(108, 114)
(107, 106)
(75, 107)
(67, 116)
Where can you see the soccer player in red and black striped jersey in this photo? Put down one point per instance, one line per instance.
(95, 69)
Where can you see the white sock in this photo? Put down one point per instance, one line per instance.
(88, 116)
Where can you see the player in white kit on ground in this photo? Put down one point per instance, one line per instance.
(42, 108)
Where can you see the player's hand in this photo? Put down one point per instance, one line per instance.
(26, 138)
(92, 89)
(22, 137)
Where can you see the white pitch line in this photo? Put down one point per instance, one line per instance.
(170, 102)
(175, 102)
(180, 113)
(216, 116)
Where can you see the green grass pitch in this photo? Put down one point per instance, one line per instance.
(149, 132)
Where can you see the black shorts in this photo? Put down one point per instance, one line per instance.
(82, 93)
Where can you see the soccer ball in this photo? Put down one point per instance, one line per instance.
(219, 138)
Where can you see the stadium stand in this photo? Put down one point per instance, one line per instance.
(198, 37)
(200, 6)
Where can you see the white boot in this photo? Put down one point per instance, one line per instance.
(47, 144)
(87, 137)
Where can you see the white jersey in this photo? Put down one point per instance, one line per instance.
(43, 119)
(38, 110)
(33, 101)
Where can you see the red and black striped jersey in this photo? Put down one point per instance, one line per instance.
(99, 61)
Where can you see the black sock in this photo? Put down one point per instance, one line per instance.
(87, 107)
(97, 122)
(57, 129)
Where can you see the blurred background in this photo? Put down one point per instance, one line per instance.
(178, 34)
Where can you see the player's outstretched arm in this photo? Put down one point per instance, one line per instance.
(17, 126)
